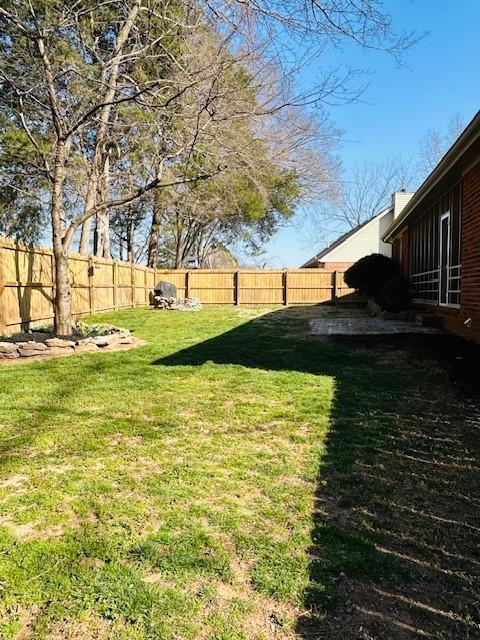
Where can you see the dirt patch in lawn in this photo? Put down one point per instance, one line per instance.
(95, 628)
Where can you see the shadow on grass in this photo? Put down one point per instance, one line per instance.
(395, 530)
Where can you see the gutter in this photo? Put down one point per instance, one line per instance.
(470, 134)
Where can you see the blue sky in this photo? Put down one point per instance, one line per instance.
(440, 78)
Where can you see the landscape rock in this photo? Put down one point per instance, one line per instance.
(32, 346)
(102, 337)
(177, 304)
(59, 343)
(9, 356)
(104, 341)
(165, 289)
(87, 347)
(30, 353)
(8, 347)
(373, 309)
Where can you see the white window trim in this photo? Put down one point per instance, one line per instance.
(444, 216)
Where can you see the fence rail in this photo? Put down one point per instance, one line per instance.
(98, 284)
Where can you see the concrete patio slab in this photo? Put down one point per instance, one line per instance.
(366, 327)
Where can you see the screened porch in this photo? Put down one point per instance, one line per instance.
(434, 252)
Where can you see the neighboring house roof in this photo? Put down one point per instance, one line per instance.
(462, 154)
(325, 255)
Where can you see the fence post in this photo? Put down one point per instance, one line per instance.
(187, 284)
(3, 301)
(334, 287)
(236, 299)
(91, 287)
(115, 285)
(285, 287)
(132, 282)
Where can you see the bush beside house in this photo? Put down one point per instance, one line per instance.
(380, 279)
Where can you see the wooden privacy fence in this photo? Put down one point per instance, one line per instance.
(27, 287)
(258, 286)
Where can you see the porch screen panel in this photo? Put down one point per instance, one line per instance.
(454, 268)
(425, 250)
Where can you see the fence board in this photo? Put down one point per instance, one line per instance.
(212, 286)
(26, 285)
(341, 286)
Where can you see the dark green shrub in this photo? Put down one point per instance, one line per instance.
(395, 295)
(380, 278)
(370, 273)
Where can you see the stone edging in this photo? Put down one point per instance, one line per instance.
(176, 304)
(14, 352)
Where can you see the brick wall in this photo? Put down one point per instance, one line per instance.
(470, 259)
(335, 266)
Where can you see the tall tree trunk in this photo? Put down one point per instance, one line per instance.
(84, 244)
(130, 244)
(104, 118)
(179, 241)
(154, 235)
(102, 227)
(101, 238)
(178, 254)
(62, 305)
(63, 294)
(87, 225)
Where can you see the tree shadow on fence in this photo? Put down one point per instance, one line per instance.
(395, 530)
(25, 286)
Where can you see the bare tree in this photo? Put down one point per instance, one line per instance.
(366, 192)
(369, 185)
(436, 143)
(94, 85)
(55, 85)
(311, 23)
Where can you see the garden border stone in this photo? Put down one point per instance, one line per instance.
(21, 350)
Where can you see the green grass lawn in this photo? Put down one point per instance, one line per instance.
(235, 479)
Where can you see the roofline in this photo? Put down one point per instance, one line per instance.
(343, 238)
(469, 135)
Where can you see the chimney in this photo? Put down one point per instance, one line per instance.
(399, 201)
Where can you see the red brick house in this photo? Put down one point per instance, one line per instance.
(436, 238)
